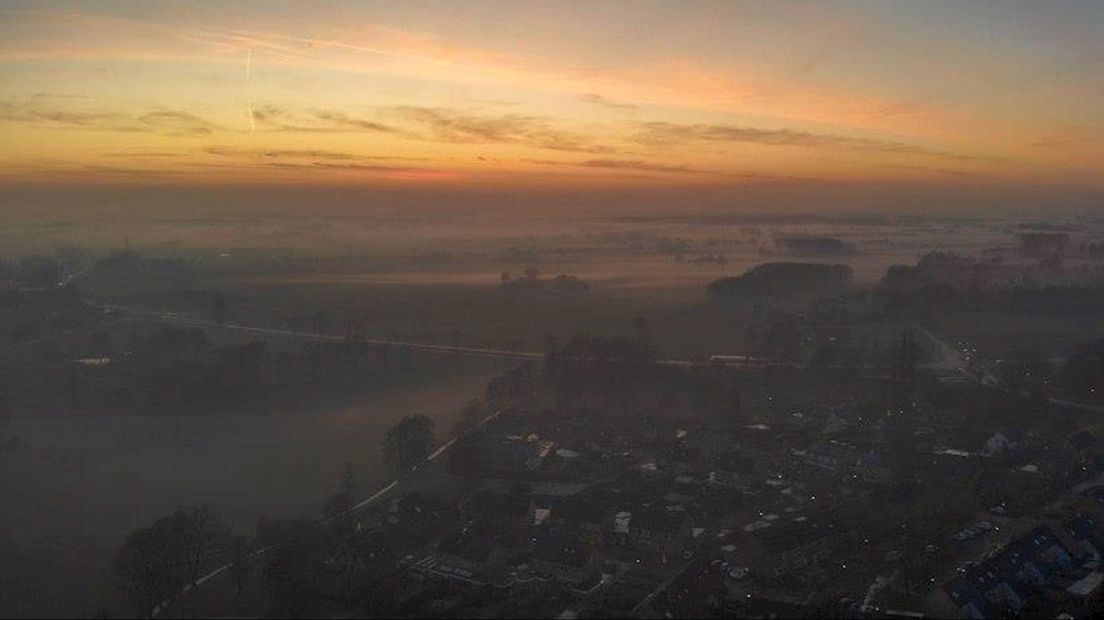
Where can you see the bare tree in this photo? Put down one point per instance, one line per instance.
(155, 562)
(408, 443)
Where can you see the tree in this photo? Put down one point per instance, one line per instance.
(905, 356)
(154, 563)
(337, 507)
(348, 480)
(292, 578)
(239, 564)
(408, 443)
(783, 340)
(5, 415)
(144, 571)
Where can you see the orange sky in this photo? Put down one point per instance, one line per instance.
(552, 95)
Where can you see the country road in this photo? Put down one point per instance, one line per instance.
(188, 321)
(983, 373)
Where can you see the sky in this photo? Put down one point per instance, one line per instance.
(621, 99)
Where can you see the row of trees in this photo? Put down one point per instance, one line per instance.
(781, 280)
(530, 280)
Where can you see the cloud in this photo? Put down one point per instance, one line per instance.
(638, 165)
(669, 134)
(452, 126)
(458, 127)
(1067, 140)
(267, 113)
(599, 100)
(317, 159)
(316, 121)
(229, 151)
(916, 105)
(929, 169)
(344, 121)
(621, 164)
(177, 122)
(278, 154)
(412, 172)
(164, 121)
(370, 167)
(21, 112)
(143, 154)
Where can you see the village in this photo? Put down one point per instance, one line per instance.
(809, 511)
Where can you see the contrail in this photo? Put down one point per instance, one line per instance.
(249, 78)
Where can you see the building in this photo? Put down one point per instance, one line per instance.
(501, 510)
(467, 556)
(659, 528)
(1005, 582)
(562, 556)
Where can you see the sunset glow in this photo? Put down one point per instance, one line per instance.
(532, 95)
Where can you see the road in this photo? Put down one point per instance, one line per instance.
(183, 320)
(188, 321)
(963, 360)
(47, 338)
(982, 373)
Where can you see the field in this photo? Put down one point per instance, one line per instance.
(437, 279)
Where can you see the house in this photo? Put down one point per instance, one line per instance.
(953, 469)
(833, 456)
(1086, 591)
(872, 469)
(517, 453)
(510, 454)
(352, 561)
(588, 518)
(738, 469)
(696, 592)
(659, 528)
(501, 510)
(1006, 580)
(998, 443)
(467, 555)
(562, 556)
